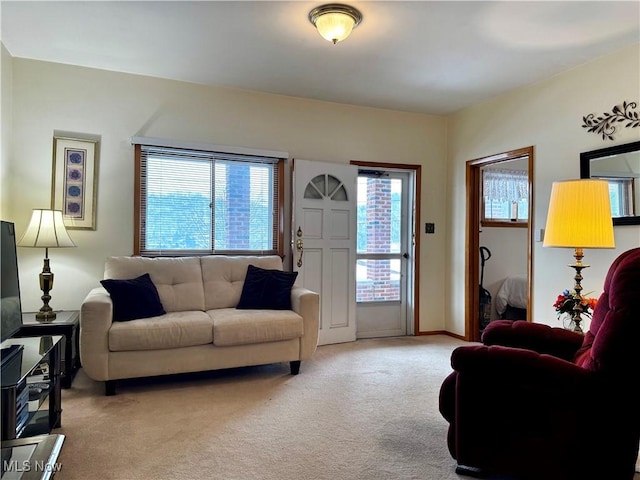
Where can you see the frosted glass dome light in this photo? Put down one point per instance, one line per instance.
(335, 21)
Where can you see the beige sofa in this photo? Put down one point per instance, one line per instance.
(201, 329)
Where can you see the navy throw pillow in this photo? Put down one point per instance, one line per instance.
(133, 298)
(267, 289)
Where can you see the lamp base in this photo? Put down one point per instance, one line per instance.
(46, 313)
(578, 266)
(575, 321)
(44, 316)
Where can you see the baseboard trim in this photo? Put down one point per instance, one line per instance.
(441, 332)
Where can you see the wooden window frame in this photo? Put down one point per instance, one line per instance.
(278, 229)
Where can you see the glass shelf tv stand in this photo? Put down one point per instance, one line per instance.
(30, 383)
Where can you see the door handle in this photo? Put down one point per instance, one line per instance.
(299, 246)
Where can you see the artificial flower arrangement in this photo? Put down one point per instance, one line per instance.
(566, 301)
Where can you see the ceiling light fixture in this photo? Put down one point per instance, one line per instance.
(335, 21)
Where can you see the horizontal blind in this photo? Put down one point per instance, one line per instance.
(199, 202)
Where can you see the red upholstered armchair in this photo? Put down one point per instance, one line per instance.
(536, 402)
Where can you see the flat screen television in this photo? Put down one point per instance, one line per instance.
(11, 311)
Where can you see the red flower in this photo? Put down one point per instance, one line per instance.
(559, 301)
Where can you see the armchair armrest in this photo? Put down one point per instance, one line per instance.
(96, 316)
(513, 366)
(508, 396)
(306, 303)
(538, 337)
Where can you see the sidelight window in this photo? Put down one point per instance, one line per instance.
(378, 270)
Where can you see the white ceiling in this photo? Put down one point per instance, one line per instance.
(419, 56)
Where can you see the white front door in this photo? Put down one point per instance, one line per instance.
(324, 242)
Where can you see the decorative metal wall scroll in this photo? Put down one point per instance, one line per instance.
(604, 124)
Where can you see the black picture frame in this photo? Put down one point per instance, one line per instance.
(585, 171)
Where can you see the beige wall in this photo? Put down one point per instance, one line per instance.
(547, 115)
(45, 97)
(48, 97)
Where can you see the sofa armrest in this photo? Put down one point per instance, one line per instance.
(96, 314)
(538, 337)
(307, 304)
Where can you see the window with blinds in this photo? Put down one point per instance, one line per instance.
(194, 202)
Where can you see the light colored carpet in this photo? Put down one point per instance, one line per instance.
(364, 410)
(361, 410)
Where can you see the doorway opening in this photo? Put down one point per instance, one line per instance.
(475, 213)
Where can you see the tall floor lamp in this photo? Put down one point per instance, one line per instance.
(46, 230)
(579, 217)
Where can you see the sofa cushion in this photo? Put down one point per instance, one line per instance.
(173, 330)
(268, 289)
(241, 327)
(178, 279)
(133, 298)
(223, 277)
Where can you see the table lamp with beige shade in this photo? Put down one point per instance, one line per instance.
(46, 230)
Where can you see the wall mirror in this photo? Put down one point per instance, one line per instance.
(620, 166)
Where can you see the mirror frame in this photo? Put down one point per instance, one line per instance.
(585, 171)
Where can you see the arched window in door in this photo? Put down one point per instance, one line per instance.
(326, 186)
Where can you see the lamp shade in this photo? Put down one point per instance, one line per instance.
(579, 215)
(335, 21)
(46, 230)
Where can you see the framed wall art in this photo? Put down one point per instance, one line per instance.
(75, 181)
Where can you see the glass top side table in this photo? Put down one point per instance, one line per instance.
(66, 323)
